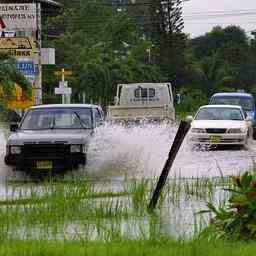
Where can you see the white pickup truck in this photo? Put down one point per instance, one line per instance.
(139, 101)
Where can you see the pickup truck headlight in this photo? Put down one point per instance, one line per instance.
(75, 148)
(15, 150)
(236, 130)
(198, 130)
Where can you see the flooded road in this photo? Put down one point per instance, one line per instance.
(118, 152)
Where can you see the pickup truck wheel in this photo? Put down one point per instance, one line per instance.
(6, 161)
(254, 134)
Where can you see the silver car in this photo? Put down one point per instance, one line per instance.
(52, 137)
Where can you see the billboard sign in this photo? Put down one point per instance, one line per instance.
(15, 43)
(27, 68)
(18, 16)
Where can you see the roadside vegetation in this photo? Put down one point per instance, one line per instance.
(64, 216)
(161, 247)
(9, 76)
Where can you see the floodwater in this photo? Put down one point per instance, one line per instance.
(118, 152)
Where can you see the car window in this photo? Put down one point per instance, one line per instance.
(219, 114)
(57, 118)
(145, 93)
(245, 103)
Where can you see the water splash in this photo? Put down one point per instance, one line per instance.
(141, 151)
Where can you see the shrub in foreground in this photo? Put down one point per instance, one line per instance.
(237, 219)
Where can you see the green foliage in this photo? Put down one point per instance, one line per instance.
(162, 247)
(103, 48)
(9, 76)
(191, 100)
(237, 220)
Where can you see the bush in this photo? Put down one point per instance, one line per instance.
(237, 220)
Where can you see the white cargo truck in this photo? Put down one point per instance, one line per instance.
(143, 101)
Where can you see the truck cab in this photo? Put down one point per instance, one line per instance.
(143, 101)
(245, 100)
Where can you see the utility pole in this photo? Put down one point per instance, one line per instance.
(38, 85)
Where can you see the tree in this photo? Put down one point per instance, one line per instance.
(224, 59)
(103, 48)
(167, 36)
(9, 76)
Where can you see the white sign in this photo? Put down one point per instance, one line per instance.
(47, 56)
(63, 84)
(18, 16)
(63, 90)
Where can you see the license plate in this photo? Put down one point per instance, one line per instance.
(44, 165)
(215, 139)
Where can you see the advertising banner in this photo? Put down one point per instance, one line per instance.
(15, 43)
(27, 68)
(18, 16)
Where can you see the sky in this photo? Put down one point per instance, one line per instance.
(240, 12)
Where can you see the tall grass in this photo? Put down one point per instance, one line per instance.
(75, 210)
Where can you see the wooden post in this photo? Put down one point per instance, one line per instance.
(181, 133)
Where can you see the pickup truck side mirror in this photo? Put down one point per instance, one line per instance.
(14, 127)
(178, 98)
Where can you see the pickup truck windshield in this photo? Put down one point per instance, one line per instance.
(57, 118)
(246, 103)
(219, 114)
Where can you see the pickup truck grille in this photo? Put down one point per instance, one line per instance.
(45, 150)
(216, 130)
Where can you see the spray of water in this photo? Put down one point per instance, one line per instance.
(118, 151)
(141, 151)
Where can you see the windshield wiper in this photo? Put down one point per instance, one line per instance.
(82, 123)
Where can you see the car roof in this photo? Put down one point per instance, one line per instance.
(65, 106)
(221, 106)
(146, 85)
(232, 94)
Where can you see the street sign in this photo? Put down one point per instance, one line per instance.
(16, 43)
(20, 53)
(8, 33)
(64, 72)
(26, 67)
(63, 84)
(63, 90)
(18, 16)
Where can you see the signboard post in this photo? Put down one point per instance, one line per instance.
(63, 88)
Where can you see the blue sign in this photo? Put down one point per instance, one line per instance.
(27, 68)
